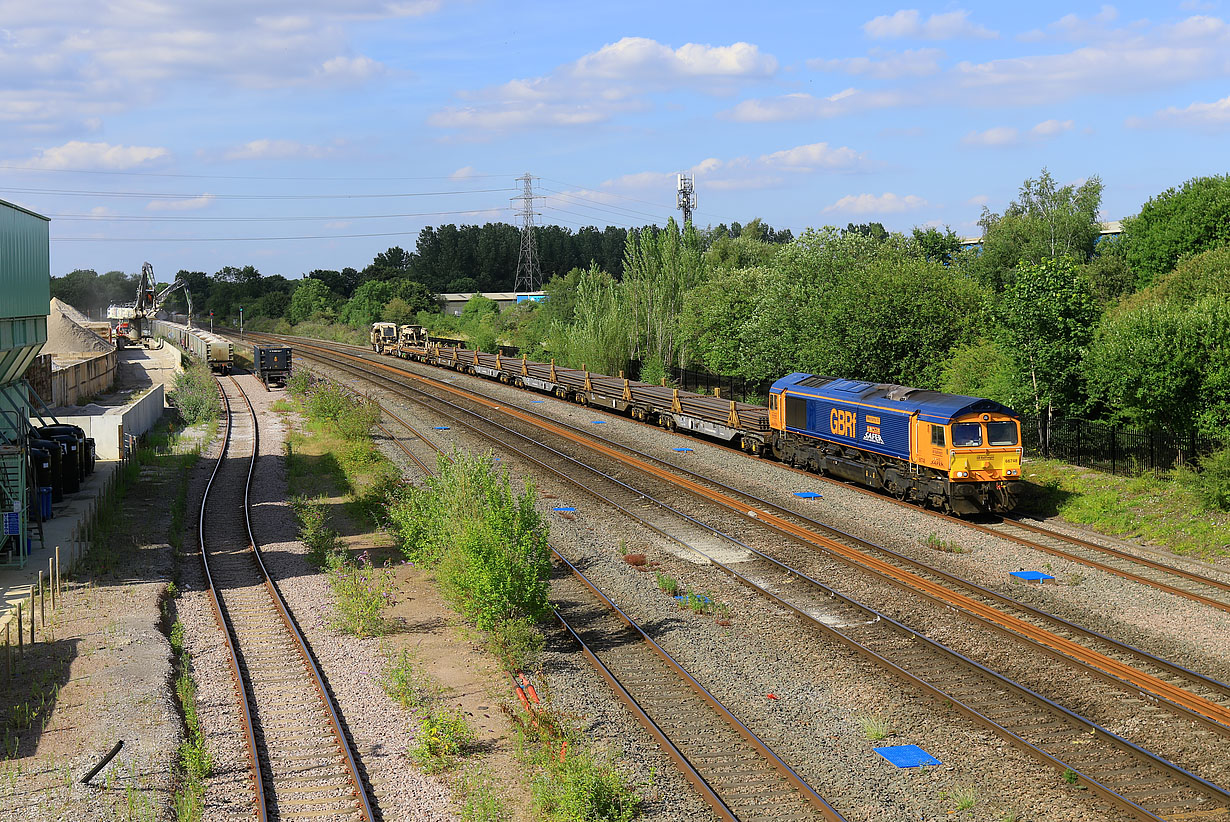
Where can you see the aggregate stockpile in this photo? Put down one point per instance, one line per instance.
(82, 363)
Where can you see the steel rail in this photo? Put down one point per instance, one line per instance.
(258, 786)
(1208, 789)
(292, 627)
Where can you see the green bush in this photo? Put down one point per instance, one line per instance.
(362, 592)
(444, 735)
(1214, 480)
(195, 394)
(489, 547)
(583, 787)
(321, 541)
(519, 644)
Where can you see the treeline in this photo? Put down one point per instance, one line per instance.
(446, 258)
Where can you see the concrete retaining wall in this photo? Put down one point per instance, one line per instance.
(107, 428)
(82, 379)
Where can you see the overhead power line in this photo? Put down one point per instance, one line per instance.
(203, 195)
(186, 218)
(240, 176)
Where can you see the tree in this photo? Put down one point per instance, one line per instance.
(936, 245)
(79, 289)
(1048, 317)
(659, 271)
(1045, 222)
(1186, 220)
(875, 231)
(311, 300)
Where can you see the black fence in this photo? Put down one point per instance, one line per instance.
(1107, 447)
(731, 388)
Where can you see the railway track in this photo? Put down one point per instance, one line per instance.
(301, 762)
(1123, 773)
(733, 770)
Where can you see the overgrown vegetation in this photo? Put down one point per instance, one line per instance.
(487, 545)
(1174, 510)
(195, 394)
(194, 762)
(361, 592)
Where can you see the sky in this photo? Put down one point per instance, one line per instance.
(317, 134)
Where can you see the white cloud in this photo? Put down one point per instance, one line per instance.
(888, 65)
(1001, 136)
(815, 157)
(745, 173)
(799, 106)
(1213, 116)
(68, 61)
(191, 204)
(1050, 128)
(78, 155)
(886, 203)
(997, 136)
(978, 200)
(275, 150)
(462, 173)
(910, 23)
(616, 78)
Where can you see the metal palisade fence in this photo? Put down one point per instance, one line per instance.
(1113, 448)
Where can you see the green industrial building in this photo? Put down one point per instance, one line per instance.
(25, 300)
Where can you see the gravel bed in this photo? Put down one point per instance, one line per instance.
(817, 687)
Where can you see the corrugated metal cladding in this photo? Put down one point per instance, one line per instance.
(25, 263)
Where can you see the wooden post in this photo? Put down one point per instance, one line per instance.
(8, 651)
(57, 581)
(21, 635)
(51, 580)
(42, 600)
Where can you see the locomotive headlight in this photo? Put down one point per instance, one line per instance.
(963, 473)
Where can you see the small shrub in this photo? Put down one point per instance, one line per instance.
(937, 544)
(195, 394)
(361, 593)
(964, 797)
(875, 726)
(518, 643)
(321, 541)
(443, 737)
(1074, 579)
(669, 585)
(405, 681)
(299, 383)
(1069, 776)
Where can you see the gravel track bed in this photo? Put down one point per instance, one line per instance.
(818, 686)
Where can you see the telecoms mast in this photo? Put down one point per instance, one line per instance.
(685, 199)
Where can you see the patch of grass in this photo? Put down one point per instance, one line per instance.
(963, 797)
(1074, 579)
(935, 543)
(404, 679)
(582, 786)
(1166, 510)
(517, 643)
(480, 799)
(875, 725)
(444, 737)
(362, 591)
(193, 761)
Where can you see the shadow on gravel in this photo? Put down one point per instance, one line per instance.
(1042, 500)
(30, 691)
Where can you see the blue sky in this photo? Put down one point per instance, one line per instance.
(204, 134)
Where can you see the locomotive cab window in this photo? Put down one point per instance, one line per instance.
(937, 436)
(1001, 432)
(966, 434)
(772, 402)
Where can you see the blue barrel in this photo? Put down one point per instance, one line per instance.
(44, 501)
